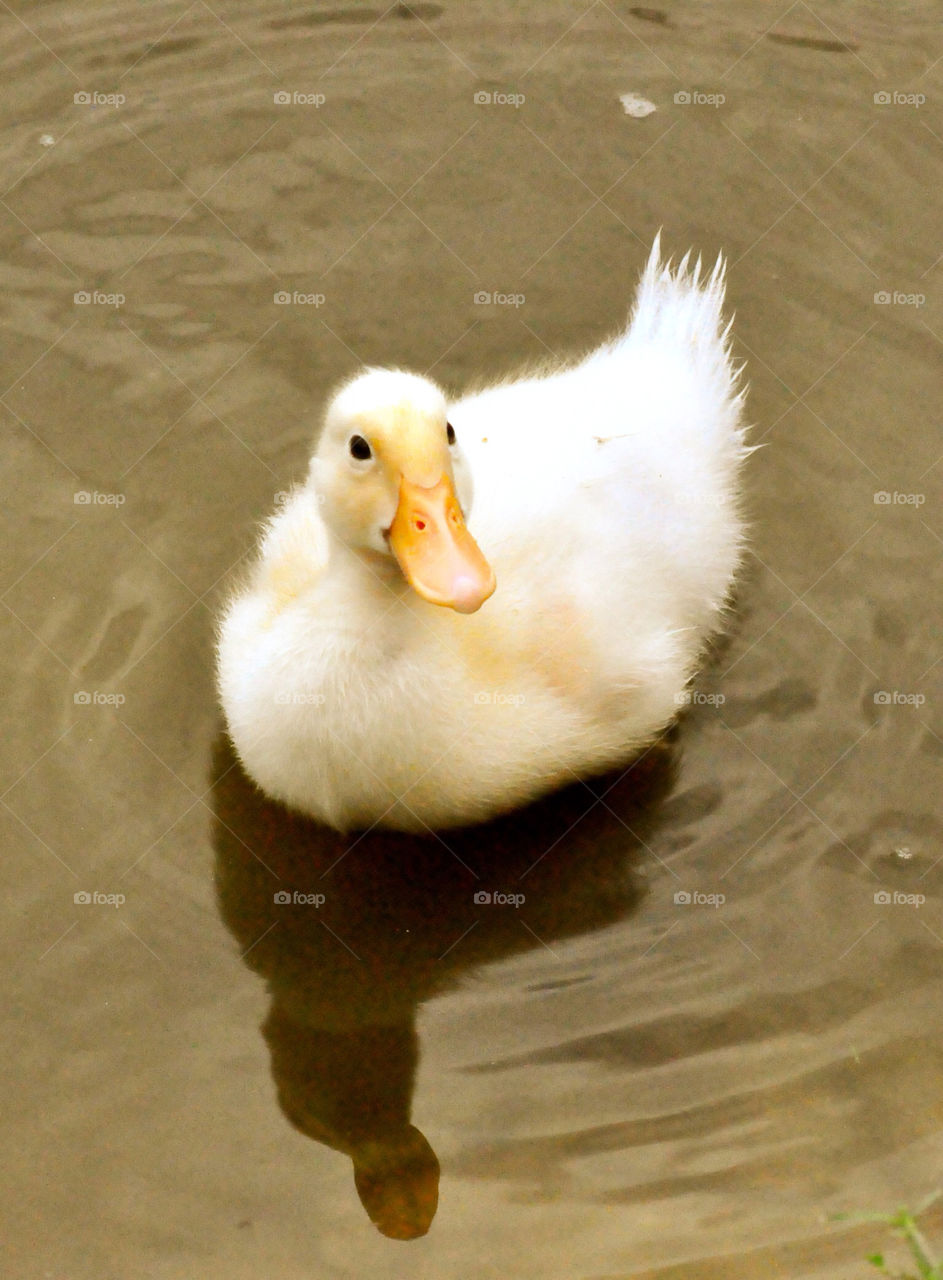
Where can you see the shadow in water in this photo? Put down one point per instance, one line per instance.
(353, 932)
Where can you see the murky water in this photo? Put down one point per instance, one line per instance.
(715, 1016)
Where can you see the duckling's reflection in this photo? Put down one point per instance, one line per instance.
(353, 933)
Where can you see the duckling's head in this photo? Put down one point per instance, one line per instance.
(393, 480)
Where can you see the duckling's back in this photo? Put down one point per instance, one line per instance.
(623, 469)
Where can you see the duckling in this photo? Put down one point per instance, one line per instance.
(469, 602)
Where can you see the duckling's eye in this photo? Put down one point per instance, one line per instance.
(450, 432)
(359, 448)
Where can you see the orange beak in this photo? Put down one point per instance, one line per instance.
(438, 556)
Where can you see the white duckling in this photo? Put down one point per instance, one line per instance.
(387, 663)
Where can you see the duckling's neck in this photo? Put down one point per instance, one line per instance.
(367, 574)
